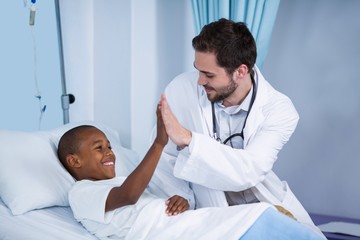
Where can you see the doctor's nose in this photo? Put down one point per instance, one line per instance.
(202, 80)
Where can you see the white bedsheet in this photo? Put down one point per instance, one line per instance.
(48, 223)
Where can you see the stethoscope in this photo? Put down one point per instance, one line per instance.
(241, 134)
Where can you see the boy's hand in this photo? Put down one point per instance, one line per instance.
(161, 135)
(176, 205)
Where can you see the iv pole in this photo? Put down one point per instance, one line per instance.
(66, 99)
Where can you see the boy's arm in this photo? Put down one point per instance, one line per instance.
(134, 185)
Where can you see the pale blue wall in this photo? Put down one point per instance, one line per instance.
(314, 58)
(120, 55)
(19, 108)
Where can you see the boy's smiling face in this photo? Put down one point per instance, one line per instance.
(96, 160)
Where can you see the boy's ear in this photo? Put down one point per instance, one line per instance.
(73, 161)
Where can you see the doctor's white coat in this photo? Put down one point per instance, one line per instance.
(205, 169)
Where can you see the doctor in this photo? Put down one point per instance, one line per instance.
(227, 125)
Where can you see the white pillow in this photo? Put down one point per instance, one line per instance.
(32, 177)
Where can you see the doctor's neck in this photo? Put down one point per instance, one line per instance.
(238, 95)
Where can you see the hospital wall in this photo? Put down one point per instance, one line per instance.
(314, 58)
(29, 64)
(120, 55)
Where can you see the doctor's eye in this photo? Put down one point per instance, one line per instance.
(209, 75)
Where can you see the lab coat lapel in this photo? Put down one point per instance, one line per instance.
(205, 111)
(256, 115)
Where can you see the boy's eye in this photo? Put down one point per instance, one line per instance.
(110, 147)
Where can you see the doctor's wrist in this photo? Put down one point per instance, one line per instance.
(185, 139)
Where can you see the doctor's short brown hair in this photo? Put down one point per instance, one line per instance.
(231, 42)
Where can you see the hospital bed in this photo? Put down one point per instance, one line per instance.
(34, 185)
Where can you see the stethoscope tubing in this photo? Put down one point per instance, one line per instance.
(241, 134)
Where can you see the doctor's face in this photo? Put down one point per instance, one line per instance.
(217, 83)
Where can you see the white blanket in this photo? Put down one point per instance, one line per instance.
(147, 218)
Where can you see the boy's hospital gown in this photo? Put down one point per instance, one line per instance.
(147, 218)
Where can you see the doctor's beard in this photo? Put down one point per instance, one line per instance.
(223, 93)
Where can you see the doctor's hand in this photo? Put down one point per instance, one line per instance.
(177, 133)
(176, 205)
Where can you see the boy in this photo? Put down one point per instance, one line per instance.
(120, 208)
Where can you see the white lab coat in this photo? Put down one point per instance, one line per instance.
(207, 168)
